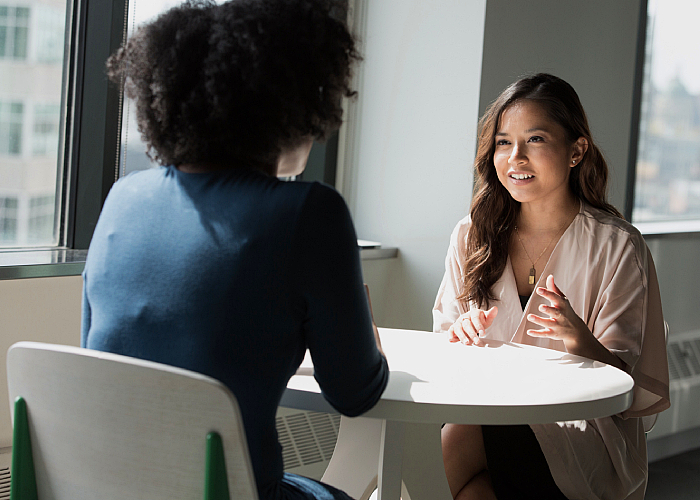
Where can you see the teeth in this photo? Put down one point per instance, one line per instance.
(522, 176)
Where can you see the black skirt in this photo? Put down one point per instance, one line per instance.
(517, 465)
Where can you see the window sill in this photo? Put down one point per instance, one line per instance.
(669, 229)
(46, 263)
(41, 263)
(372, 250)
(378, 253)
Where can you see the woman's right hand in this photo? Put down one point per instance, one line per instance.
(471, 324)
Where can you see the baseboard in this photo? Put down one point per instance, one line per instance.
(673, 444)
(5, 462)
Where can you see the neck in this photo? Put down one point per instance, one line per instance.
(547, 219)
(201, 168)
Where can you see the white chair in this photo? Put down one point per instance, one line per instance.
(108, 427)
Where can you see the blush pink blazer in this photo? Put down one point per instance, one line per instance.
(605, 269)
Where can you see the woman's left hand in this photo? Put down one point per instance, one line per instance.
(562, 322)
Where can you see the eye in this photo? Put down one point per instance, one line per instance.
(502, 142)
(536, 138)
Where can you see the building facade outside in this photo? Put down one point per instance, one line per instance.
(32, 39)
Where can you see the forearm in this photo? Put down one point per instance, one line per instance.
(589, 347)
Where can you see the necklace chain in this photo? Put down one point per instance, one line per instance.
(531, 277)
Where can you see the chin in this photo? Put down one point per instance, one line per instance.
(519, 197)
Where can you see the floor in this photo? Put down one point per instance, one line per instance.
(676, 477)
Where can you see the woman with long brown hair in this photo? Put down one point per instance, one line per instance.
(544, 259)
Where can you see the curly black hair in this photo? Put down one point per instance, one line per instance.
(234, 84)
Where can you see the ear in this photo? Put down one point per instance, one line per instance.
(578, 150)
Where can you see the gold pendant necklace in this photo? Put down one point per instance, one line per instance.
(531, 277)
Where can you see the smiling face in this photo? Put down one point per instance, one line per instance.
(533, 156)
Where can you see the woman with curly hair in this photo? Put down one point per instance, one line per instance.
(210, 262)
(543, 259)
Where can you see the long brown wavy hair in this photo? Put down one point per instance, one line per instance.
(493, 211)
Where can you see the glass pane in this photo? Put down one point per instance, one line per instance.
(45, 137)
(10, 128)
(8, 219)
(49, 39)
(3, 37)
(668, 165)
(15, 139)
(20, 43)
(32, 39)
(41, 216)
(133, 151)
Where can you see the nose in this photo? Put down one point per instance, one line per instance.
(517, 155)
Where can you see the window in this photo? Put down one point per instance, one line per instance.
(668, 162)
(8, 219)
(45, 130)
(14, 30)
(132, 149)
(41, 218)
(32, 93)
(50, 33)
(11, 128)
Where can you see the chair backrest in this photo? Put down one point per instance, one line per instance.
(113, 427)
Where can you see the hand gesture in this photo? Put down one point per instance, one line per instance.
(561, 323)
(471, 324)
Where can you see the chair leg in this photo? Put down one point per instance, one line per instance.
(215, 483)
(23, 482)
(355, 462)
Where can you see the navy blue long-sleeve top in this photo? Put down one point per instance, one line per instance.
(235, 274)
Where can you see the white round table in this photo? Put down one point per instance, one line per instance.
(433, 381)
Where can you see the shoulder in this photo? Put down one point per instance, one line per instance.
(322, 214)
(605, 223)
(458, 238)
(613, 234)
(320, 200)
(140, 180)
(322, 193)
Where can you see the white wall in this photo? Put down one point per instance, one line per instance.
(39, 309)
(408, 169)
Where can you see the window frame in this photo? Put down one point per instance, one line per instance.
(91, 125)
(679, 228)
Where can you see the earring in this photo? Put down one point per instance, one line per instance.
(573, 161)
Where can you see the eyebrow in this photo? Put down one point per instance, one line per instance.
(528, 131)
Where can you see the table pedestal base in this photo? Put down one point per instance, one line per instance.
(399, 459)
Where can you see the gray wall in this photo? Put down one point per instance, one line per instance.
(679, 279)
(592, 45)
